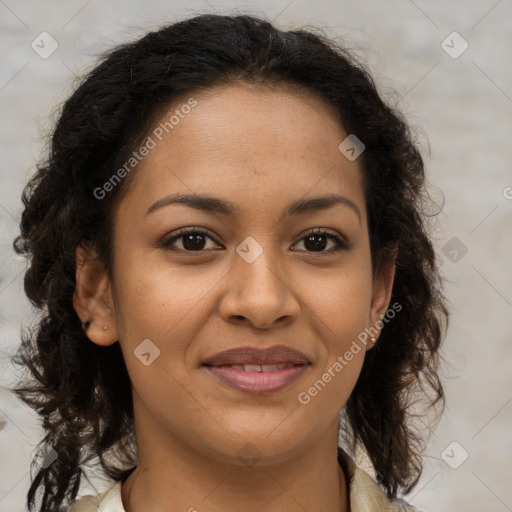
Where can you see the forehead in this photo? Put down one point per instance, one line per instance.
(276, 142)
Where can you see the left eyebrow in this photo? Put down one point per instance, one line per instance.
(223, 207)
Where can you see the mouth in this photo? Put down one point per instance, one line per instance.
(258, 371)
(257, 367)
(263, 358)
(257, 379)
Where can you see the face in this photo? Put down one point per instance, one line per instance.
(190, 282)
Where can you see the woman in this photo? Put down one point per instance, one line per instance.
(238, 290)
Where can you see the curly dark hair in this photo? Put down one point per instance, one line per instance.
(81, 390)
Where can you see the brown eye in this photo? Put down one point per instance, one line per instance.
(318, 240)
(192, 240)
(195, 240)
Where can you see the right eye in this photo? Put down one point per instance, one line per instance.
(192, 240)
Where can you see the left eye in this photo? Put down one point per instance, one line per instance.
(193, 240)
(318, 240)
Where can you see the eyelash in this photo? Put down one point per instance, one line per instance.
(340, 243)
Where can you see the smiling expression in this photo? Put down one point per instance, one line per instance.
(244, 227)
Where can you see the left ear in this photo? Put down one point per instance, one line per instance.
(381, 293)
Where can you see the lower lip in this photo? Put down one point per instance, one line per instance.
(257, 382)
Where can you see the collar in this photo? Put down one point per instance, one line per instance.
(364, 494)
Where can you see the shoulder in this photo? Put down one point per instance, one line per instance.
(366, 495)
(106, 501)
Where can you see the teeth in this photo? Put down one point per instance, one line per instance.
(261, 367)
(252, 368)
(273, 367)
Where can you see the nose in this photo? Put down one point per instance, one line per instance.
(259, 293)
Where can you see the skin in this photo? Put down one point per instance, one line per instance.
(260, 148)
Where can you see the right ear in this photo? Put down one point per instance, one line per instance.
(92, 297)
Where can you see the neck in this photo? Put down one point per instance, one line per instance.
(192, 482)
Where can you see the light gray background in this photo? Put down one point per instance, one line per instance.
(463, 107)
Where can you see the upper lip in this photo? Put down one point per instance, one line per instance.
(276, 354)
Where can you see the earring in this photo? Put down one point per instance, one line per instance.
(374, 339)
(85, 326)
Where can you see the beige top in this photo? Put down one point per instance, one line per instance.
(365, 496)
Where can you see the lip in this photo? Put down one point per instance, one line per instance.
(276, 354)
(256, 382)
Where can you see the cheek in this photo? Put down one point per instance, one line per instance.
(340, 309)
(340, 301)
(341, 314)
(160, 311)
(153, 299)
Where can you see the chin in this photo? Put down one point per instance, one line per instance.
(257, 448)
